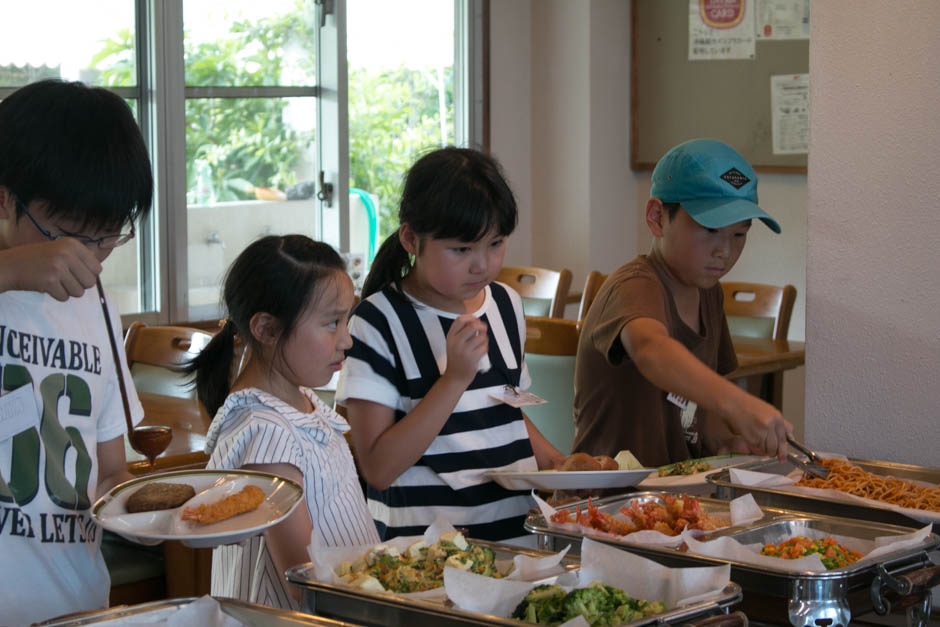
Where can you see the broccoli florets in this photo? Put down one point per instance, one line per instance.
(592, 602)
(542, 605)
(625, 614)
(599, 604)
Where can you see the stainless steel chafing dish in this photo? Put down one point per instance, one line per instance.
(777, 497)
(806, 597)
(248, 613)
(370, 608)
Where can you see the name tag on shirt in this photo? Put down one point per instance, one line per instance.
(687, 413)
(18, 412)
(516, 398)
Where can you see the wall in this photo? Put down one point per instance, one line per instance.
(560, 133)
(569, 62)
(510, 98)
(874, 184)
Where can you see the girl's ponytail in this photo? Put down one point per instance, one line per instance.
(391, 263)
(212, 368)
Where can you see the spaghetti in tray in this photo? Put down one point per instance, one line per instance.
(847, 477)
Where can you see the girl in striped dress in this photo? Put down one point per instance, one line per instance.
(436, 342)
(288, 299)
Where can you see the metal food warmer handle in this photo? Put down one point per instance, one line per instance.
(913, 589)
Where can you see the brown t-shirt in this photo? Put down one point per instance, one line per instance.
(616, 407)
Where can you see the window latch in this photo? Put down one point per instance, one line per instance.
(327, 7)
(325, 194)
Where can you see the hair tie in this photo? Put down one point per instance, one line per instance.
(226, 326)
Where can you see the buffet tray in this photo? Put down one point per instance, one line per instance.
(371, 608)
(248, 613)
(777, 497)
(806, 590)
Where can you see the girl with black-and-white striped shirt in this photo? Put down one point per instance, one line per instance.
(288, 298)
(435, 343)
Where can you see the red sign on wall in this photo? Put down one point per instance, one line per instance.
(721, 13)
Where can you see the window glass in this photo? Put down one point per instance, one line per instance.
(241, 43)
(251, 171)
(251, 158)
(55, 39)
(401, 103)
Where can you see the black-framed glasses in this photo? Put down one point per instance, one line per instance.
(108, 241)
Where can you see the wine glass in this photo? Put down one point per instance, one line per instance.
(150, 441)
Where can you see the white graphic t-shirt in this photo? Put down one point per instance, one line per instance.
(59, 397)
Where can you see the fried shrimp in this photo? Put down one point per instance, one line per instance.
(247, 500)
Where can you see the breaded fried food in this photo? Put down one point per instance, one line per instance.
(580, 462)
(247, 500)
(607, 463)
(157, 496)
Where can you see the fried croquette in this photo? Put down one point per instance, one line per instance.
(247, 500)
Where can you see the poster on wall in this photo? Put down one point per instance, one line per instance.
(789, 100)
(782, 19)
(721, 29)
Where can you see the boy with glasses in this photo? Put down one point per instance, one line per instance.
(74, 176)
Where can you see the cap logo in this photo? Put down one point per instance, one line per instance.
(735, 178)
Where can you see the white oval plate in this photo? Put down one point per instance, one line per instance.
(568, 480)
(717, 462)
(281, 497)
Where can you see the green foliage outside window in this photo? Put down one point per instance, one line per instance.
(394, 115)
(245, 141)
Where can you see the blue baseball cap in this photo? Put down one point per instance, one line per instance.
(714, 184)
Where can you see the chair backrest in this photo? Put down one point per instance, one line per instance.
(759, 310)
(544, 292)
(551, 346)
(591, 287)
(156, 356)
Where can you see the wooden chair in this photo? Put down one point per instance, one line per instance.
(544, 292)
(591, 287)
(156, 356)
(550, 349)
(759, 310)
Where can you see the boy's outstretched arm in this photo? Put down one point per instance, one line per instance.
(669, 365)
(62, 268)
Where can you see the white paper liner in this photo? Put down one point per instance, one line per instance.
(203, 611)
(787, 483)
(639, 577)
(727, 548)
(742, 510)
(326, 559)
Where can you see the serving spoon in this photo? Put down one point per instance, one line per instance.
(150, 441)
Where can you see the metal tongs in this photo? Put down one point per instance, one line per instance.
(813, 466)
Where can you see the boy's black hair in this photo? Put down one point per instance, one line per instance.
(282, 275)
(672, 208)
(451, 192)
(79, 149)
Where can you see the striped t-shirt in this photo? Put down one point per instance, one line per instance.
(254, 427)
(399, 351)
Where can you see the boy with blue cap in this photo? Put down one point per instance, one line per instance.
(655, 342)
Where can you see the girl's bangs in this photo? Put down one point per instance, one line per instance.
(469, 218)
